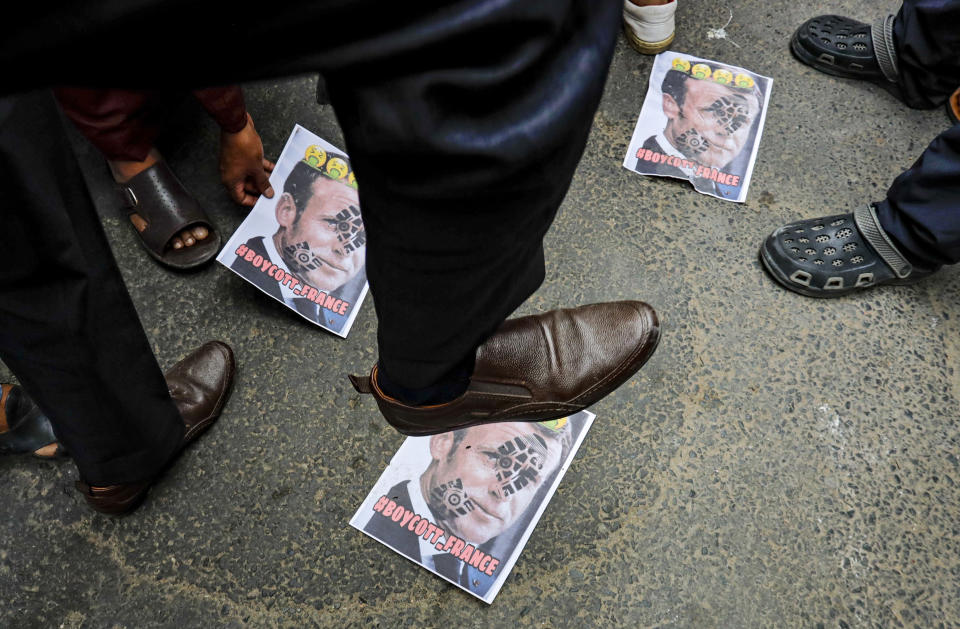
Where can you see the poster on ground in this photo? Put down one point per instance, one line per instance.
(306, 247)
(462, 504)
(701, 121)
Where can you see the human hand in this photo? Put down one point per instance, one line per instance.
(243, 170)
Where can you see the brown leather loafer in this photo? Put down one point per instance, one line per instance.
(199, 385)
(537, 368)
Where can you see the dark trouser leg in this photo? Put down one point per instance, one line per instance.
(464, 120)
(927, 36)
(463, 158)
(68, 329)
(922, 209)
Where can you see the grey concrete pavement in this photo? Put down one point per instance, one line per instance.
(780, 462)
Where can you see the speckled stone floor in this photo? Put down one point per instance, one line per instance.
(780, 462)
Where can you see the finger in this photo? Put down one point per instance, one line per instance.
(236, 191)
(263, 183)
(249, 200)
(268, 165)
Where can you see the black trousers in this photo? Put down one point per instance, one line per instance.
(68, 329)
(464, 121)
(922, 209)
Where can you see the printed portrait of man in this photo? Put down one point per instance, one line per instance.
(320, 240)
(480, 482)
(710, 114)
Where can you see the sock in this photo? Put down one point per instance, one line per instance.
(450, 387)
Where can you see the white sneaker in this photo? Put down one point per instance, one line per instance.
(649, 29)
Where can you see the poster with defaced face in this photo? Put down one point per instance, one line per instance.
(306, 246)
(462, 504)
(701, 121)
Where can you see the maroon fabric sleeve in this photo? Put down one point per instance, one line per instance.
(123, 124)
(225, 105)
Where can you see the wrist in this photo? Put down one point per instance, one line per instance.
(237, 127)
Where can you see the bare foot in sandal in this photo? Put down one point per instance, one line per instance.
(123, 171)
(24, 429)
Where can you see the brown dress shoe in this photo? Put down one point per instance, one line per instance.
(199, 385)
(537, 368)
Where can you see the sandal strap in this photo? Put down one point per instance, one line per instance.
(28, 428)
(869, 225)
(881, 31)
(161, 200)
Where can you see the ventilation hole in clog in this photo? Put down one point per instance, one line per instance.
(822, 238)
(840, 45)
(856, 259)
(859, 46)
(829, 251)
(865, 279)
(817, 228)
(798, 231)
(802, 259)
(801, 277)
(803, 240)
(788, 240)
(850, 246)
(818, 261)
(834, 283)
(844, 233)
(839, 221)
(809, 252)
(843, 35)
(825, 40)
(795, 250)
(838, 262)
(860, 35)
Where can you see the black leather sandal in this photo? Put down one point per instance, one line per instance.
(836, 255)
(161, 200)
(24, 429)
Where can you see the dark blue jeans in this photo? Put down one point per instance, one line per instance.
(922, 209)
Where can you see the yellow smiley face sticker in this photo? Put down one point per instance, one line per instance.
(555, 424)
(681, 65)
(744, 81)
(315, 156)
(723, 77)
(701, 71)
(337, 168)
